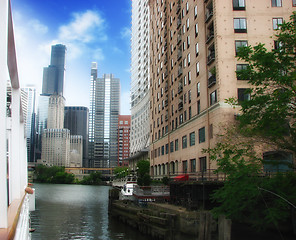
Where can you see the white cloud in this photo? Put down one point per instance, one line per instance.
(38, 27)
(125, 33)
(98, 55)
(85, 27)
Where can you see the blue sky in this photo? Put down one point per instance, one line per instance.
(93, 31)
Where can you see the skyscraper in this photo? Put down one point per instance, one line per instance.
(30, 122)
(124, 129)
(76, 120)
(193, 70)
(103, 116)
(53, 75)
(139, 139)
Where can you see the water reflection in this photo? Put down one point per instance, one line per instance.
(76, 212)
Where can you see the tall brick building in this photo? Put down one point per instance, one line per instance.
(192, 71)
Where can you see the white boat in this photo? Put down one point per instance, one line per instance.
(127, 191)
(15, 195)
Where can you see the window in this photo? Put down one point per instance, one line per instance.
(167, 148)
(196, 49)
(197, 68)
(188, 59)
(213, 97)
(294, 3)
(185, 166)
(192, 139)
(202, 135)
(239, 5)
(187, 23)
(193, 165)
(189, 96)
(196, 29)
(278, 44)
(176, 145)
(239, 44)
(189, 113)
(240, 67)
(189, 74)
(276, 3)
(243, 94)
(198, 107)
(162, 150)
(276, 22)
(240, 25)
(172, 146)
(195, 11)
(184, 141)
(203, 164)
(198, 89)
(188, 41)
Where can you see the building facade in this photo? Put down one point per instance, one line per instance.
(31, 122)
(54, 74)
(193, 48)
(103, 119)
(76, 150)
(139, 139)
(124, 128)
(76, 120)
(55, 147)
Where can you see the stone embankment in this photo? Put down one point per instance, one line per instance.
(169, 222)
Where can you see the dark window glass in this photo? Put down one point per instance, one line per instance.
(240, 25)
(202, 135)
(239, 5)
(184, 142)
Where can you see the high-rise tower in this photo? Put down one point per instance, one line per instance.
(103, 116)
(193, 70)
(139, 136)
(53, 75)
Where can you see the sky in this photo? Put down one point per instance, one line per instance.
(92, 30)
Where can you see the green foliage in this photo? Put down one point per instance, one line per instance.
(270, 113)
(143, 169)
(53, 174)
(165, 180)
(121, 172)
(95, 178)
(248, 196)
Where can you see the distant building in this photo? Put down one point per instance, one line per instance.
(56, 107)
(76, 120)
(103, 119)
(55, 147)
(140, 82)
(76, 150)
(41, 122)
(124, 128)
(53, 75)
(31, 122)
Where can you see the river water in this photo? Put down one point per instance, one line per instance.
(76, 212)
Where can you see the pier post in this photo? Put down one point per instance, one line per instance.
(224, 226)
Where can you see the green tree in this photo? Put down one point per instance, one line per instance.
(54, 174)
(143, 169)
(121, 172)
(247, 196)
(94, 178)
(270, 112)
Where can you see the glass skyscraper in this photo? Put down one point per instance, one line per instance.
(53, 75)
(103, 119)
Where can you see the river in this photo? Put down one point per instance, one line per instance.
(76, 212)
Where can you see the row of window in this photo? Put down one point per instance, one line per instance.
(174, 145)
(241, 5)
(173, 167)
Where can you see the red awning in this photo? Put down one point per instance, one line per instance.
(183, 177)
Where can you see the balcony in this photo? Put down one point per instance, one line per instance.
(179, 38)
(166, 102)
(180, 88)
(211, 81)
(178, 23)
(211, 58)
(209, 15)
(180, 106)
(179, 54)
(180, 71)
(210, 36)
